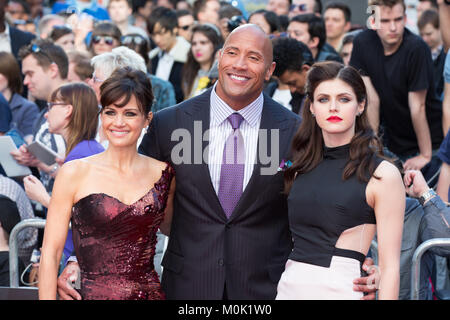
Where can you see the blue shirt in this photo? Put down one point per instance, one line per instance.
(447, 69)
(444, 151)
(94, 9)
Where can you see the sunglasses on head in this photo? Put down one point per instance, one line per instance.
(62, 27)
(36, 49)
(132, 39)
(106, 39)
(301, 7)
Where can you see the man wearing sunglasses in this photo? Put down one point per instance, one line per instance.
(305, 6)
(185, 22)
(120, 11)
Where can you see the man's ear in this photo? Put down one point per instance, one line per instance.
(270, 71)
(54, 70)
(314, 42)
(150, 116)
(348, 26)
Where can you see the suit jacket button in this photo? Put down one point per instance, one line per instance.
(221, 262)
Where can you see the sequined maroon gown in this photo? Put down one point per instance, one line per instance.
(115, 243)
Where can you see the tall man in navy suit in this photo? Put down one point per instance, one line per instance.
(211, 255)
(214, 254)
(227, 240)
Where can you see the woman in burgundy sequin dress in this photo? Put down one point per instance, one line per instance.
(116, 201)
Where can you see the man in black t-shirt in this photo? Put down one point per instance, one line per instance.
(397, 69)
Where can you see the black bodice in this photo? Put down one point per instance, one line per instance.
(322, 205)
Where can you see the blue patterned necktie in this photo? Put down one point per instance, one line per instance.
(232, 170)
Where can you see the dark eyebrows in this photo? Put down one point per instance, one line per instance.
(230, 48)
(259, 54)
(396, 19)
(339, 95)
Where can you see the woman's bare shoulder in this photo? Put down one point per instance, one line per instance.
(387, 171)
(77, 168)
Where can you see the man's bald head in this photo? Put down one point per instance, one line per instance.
(255, 31)
(245, 62)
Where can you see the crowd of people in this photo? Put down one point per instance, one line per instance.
(207, 152)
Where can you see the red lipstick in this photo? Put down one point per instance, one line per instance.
(334, 119)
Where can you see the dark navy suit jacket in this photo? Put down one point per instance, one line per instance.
(206, 251)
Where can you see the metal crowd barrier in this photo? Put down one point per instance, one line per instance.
(417, 257)
(13, 248)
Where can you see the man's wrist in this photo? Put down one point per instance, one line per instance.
(427, 195)
(426, 155)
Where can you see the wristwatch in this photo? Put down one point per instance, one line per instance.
(426, 196)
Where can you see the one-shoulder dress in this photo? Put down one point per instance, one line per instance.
(115, 243)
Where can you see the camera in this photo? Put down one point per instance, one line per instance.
(235, 22)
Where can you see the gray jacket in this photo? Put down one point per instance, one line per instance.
(437, 223)
(413, 236)
(24, 114)
(421, 224)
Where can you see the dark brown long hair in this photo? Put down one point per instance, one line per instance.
(191, 67)
(308, 145)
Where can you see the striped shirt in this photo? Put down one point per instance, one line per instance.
(220, 128)
(26, 238)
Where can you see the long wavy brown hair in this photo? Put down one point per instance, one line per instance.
(308, 144)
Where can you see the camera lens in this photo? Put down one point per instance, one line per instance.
(235, 22)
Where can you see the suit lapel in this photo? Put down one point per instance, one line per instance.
(196, 119)
(271, 120)
(15, 43)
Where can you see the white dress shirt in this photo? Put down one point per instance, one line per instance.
(164, 67)
(5, 40)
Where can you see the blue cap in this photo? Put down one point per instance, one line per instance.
(5, 115)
